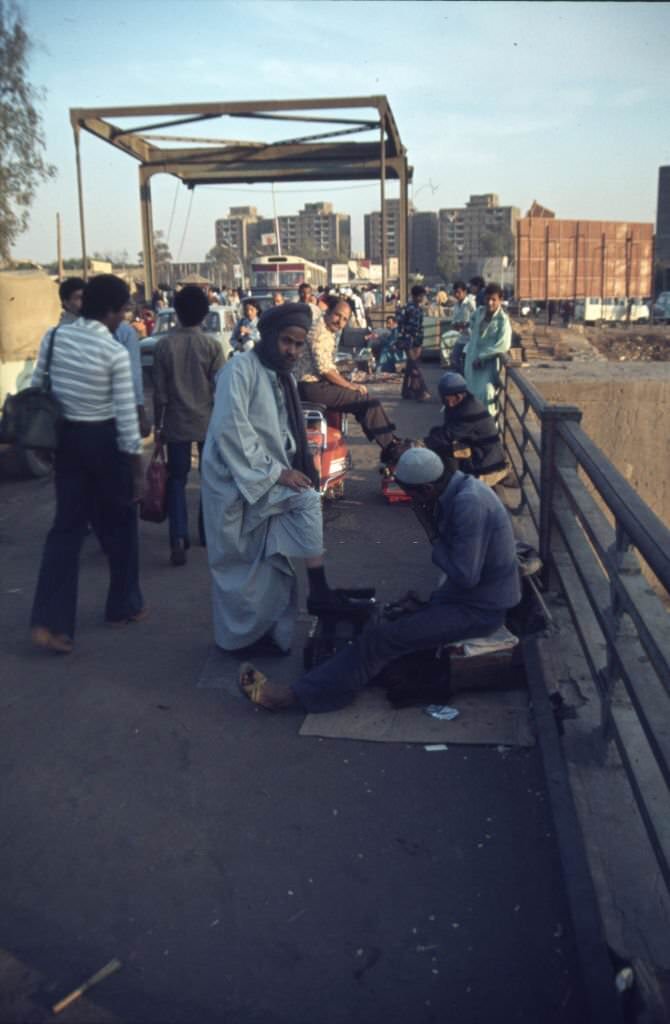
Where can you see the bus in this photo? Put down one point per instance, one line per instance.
(285, 273)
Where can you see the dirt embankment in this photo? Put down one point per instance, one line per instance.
(620, 379)
(634, 344)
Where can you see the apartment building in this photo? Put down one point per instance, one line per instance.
(316, 230)
(464, 229)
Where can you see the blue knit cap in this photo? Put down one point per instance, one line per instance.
(451, 384)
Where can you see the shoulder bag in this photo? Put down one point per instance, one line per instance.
(33, 417)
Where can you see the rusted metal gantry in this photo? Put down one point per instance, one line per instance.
(321, 155)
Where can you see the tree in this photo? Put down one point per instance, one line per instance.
(162, 254)
(22, 164)
(223, 259)
(496, 242)
(448, 264)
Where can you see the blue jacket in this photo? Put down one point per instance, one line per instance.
(475, 547)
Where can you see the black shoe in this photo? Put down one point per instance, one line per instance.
(337, 602)
(178, 553)
(392, 452)
(265, 647)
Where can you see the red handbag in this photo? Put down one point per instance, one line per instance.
(153, 506)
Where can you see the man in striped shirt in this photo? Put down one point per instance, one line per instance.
(98, 466)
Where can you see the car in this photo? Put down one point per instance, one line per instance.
(218, 323)
(660, 311)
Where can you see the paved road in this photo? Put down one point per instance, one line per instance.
(243, 873)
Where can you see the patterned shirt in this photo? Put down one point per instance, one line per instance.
(319, 353)
(410, 325)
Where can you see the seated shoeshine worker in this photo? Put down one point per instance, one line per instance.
(320, 381)
(467, 423)
(259, 502)
(472, 542)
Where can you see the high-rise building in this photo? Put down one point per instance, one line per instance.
(662, 251)
(468, 230)
(325, 232)
(373, 231)
(317, 231)
(423, 250)
(239, 231)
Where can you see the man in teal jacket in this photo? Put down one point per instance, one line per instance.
(490, 338)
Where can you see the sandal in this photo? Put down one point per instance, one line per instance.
(259, 690)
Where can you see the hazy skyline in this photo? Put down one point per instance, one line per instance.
(560, 102)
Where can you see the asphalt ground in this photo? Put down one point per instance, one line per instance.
(242, 873)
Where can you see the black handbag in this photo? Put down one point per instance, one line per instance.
(33, 417)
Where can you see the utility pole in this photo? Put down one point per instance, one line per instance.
(59, 248)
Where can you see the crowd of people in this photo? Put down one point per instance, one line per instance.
(260, 510)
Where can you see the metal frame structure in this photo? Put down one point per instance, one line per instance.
(318, 156)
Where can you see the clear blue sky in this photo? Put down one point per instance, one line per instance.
(561, 102)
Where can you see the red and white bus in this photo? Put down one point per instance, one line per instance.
(285, 273)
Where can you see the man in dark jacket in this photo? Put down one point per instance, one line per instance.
(186, 362)
(468, 427)
(472, 542)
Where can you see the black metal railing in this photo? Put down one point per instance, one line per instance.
(593, 532)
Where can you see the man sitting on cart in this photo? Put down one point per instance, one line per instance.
(321, 382)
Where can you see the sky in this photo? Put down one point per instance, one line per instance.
(565, 103)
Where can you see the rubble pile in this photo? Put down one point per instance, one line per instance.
(632, 346)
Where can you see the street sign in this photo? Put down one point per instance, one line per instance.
(339, 273)
(269, 239)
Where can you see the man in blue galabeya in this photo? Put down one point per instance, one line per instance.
(490, 338)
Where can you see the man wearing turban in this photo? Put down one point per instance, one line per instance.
(260, 506)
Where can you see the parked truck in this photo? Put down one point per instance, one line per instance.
(29, 305)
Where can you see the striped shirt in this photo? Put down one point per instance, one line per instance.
(90, 377)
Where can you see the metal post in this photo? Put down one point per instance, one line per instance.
(625, 563)
(382, 185)
(553, 453)
(59, 248)
(82, 228)
(147, 233)
(602, 271)
(574, 296)
(403, 254)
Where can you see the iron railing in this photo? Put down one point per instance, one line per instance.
(592, 531)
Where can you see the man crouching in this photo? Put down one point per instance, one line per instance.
(472, 543)
(259, 503)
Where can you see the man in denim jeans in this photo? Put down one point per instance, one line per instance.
(186, 363)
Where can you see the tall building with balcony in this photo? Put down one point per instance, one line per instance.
(317, 232)
(467, 230)
(239, 231)
(373, 231)
(325, 232)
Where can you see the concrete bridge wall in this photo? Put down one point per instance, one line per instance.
(626, 411)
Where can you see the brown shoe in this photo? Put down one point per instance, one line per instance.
(59, 643)
(259, 690)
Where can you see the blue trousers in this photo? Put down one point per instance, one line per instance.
(179, 466)
(334, 683)
(93, 484)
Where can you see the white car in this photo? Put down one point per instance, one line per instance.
(219, 323)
